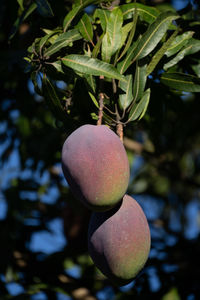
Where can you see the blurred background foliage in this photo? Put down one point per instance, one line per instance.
(43, 229)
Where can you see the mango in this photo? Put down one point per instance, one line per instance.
(96, 166)
(119, 241)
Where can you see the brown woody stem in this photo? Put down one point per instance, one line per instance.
(101, 101)
(120, 131)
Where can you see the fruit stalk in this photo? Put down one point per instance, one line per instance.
(101, 101)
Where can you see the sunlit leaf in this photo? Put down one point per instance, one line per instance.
(146, 13)
(153, 35)
(63, 40)
(179, 42)
(93, 66)
(131, 36)
(44, 8)
(103, 16)
(85, 28)
(112, 39)
(76, 9)
(127, 87)
(182, 82)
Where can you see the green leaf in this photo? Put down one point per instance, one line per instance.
(90, 82)
(181, 82)
(153, 35)
(139, 107)
(20, 2)
(44, 40)
(179, 42)
(131, 36)
(44, 8)
(94, 100)
(123, 65)
(127, 87)
(58, 66)
(27, 12)
(63, 40)
(97, 47)
(103, 16)
(196, 69)
(52, 99)
(85, 28)
(112, 39)
(76, 9)
(34, 77)
(146, 13)
(160, 53)
(139, 81)
(93, 66)
(191, 47)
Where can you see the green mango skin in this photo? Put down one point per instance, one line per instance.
(96, 166)
(119, 241)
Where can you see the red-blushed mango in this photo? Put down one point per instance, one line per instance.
(119, 241)
(96, 166)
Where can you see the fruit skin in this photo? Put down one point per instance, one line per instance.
(119, 241)
(96, 166)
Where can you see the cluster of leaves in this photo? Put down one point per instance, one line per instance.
(127, 46)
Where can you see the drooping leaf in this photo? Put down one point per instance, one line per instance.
(27, 12)
(127, 87)
(153, 35)
(85, 28)
(52, 99)
(160, 53)
(103, 16)
(44, 40)
(146, 13)
(139, 107)
(63, 40)
(58, 66)
(90, 82)
(191, 47)
(44, 8)
(112, 39)
(181, 82)
(196, 69)
(139, 81)
(34, 78)
(179, 42)
(93, 66)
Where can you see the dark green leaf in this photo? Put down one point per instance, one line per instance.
(160, 53)
(90, 82)
(27, 12)
(85, 28)
(52, 99)
(93, 66)
(44, 8)
(34, 78)
(139, 81)
(62, 41)
(181, 82)
(146, 13)
(191, 47)
(112, 39)
(153, 35)
(127, 87)
(179, 42)
(123, 65)
(139, 107)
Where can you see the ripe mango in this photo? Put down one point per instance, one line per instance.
(119, 241)
(96, 166)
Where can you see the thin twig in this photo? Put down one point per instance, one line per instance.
(101, 101)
